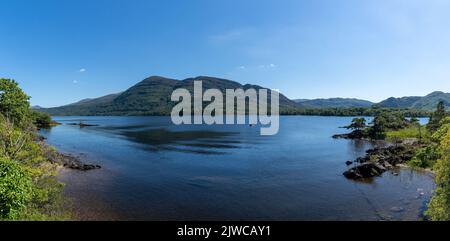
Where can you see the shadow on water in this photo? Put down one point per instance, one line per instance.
(158, 137)
(204, 142)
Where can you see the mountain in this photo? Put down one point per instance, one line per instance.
(150, 97)
(36, 107)
(101, 100)
(403, 102)
(430, 101)
(427, 102)
(333, 103)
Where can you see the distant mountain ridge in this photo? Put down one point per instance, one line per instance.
(427, 102)
(150, 97)
(99, 100)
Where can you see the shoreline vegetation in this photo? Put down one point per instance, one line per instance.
(410, 143)
(28, 166)
(29, 189)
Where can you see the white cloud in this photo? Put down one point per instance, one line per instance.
(75, 82)
(267, 66)
(241, 68)
(82, 70)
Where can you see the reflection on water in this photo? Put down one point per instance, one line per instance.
(153, 170)
(163, 139)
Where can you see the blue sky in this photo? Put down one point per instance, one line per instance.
(64, 51)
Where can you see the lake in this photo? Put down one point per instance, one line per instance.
(154, 170)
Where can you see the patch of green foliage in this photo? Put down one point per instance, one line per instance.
(426, 157)
(33, 177)
(357, 124)
(16, 189)
(41, 120)
(28, 186)
(437, 117)
(442, 131)
(414, 131)
(14, 103)
(387, 123)
(439, 207)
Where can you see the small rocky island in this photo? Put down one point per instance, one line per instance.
(81, 124)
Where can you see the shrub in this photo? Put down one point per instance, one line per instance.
(16, 188)
(28, 187)
(442, 131)
(34, 178)
(426, 157)
(41, 120)
(439, 207)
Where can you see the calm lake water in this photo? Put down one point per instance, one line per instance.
(153, 170)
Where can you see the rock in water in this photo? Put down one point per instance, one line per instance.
(365, 170)
(378, 160)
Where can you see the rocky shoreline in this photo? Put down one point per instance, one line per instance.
(381, 159)
(74, 162)
(352, 135)
(65, 160)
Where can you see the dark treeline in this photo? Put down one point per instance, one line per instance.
(355, 111)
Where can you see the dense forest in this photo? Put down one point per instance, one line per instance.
(355, 111)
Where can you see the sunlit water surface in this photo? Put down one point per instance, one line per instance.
(153, 170)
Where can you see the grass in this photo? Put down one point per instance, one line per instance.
(409, 132)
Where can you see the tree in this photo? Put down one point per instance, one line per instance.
(14, 103)
(415, 121)
(41, 120)
(439, 207)
(357, 124)
(437, 117)
(378, 130)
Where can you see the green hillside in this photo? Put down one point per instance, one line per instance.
(427, 102)
(150, 97)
